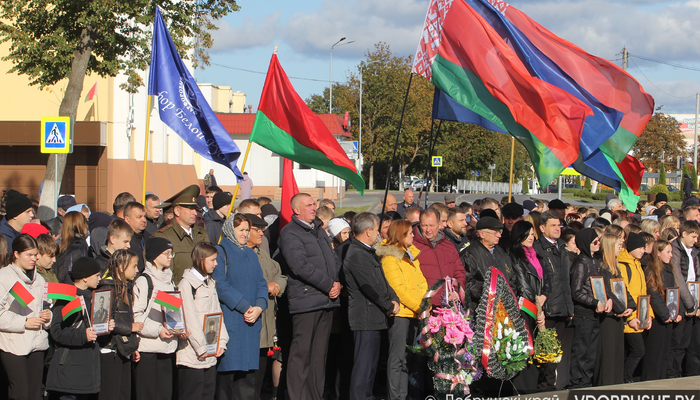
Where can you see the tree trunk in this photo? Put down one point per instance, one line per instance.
(371, 176)
(68, 108)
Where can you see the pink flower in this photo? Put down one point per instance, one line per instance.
(454, 336)
(450, 320)
(434, 324)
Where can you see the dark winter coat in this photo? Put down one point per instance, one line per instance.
(477, 260)
(137, 244)
(583, 268)
(681, 263)
(460, 243)
(555, 266)
(75, 366)
(311, 265)
(240, 285)
(122, 314)
(658, 302)
(402, 207)
(438, 261)
(9, 232)
(213, 223)
(370, 294)
(64, 261)
(530, 285)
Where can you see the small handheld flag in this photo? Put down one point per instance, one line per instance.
(74, 306)
(21, 294)
(527, 307)
(168, 300)
(60, 291)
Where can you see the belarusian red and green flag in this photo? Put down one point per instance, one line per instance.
(21, 294)
(168, 300)
(285, 125)
(60, 291)
(92, 93)
(73, 306)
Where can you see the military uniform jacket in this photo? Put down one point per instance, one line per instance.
(182, 246)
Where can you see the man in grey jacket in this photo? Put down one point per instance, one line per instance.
(371, 301)
(312, 292)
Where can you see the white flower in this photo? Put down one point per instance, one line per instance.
(505, 321)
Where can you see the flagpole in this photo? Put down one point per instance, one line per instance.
(396, 145)
(238, 185)
(145, 151)
(512, 154)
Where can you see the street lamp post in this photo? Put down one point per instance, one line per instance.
(330, 80)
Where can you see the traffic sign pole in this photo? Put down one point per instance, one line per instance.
(56, 138)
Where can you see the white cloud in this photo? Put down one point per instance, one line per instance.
(251, 33)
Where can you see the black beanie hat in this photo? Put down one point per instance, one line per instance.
(16, 203)
(661, 197)
(84, 267)
(635, 241)
(155, 246)
(221, 199)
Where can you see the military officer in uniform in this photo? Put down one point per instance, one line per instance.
(183, 233)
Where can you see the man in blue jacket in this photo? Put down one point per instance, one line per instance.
(312, 292)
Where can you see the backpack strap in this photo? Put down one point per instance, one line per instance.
(149, 283)
(225, 258)
(629, 271)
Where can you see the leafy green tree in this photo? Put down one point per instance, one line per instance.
(662, 174)
(661, 137)
(52, 40)
(587, 184)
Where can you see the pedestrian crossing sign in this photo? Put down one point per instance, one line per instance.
(437, 161)
(56, 135)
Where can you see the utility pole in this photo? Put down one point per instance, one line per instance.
(625, 57)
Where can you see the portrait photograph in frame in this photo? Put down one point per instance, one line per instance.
(101, 311)
(174, 321)
(694, 289)
(643, 311)
(598, 286)
(619, 289)
(212, 330)
(672, 298)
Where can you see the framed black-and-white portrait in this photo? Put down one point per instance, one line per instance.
(212, 330)
(619, 289)
(694, 289)
(672, 297)
(598, 285)
(643, 311)
(101, 311)
(174, 320)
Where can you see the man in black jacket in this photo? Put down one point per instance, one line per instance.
(312, 292)
(135, 216)
(479, 256)
(215, 217)
(371, 301)
(559, 307)
(456, 229)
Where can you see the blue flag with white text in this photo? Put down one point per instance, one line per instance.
(181, 105)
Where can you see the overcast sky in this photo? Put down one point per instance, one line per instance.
(306, 30)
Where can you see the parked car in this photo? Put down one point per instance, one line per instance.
(552, 188)
(644, 188)
(417, 184)
(672, 188)
(571, 186)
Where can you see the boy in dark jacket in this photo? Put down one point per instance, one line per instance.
(74, 371)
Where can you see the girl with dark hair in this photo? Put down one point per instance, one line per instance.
(659, 277)
(120, 347)
(23, 336)
(587, 309)
(532, 284)
(73, 245)
(242, 289)
(196, 371)
(569, 238)
(610, 360)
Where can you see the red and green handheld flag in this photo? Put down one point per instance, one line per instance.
(168, 300)
(21, 294)
(527, 307)
(285, 125)
(60, 291)
(73, 306)
(92, 93)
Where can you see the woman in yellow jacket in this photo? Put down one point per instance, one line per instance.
(402, 271)
(632, 272)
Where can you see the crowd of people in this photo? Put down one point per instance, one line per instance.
(309, 310)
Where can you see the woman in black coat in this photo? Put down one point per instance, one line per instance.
(587, 309)
(531, 285)
(659, 276)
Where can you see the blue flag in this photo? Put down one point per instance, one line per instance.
(181, 104)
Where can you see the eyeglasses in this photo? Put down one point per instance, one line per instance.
(499, 232)
(169, 254)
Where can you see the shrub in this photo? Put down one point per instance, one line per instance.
(660, 188)
(662, 174)
(587, 185)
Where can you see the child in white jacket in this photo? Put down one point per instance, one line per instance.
(196, 356)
